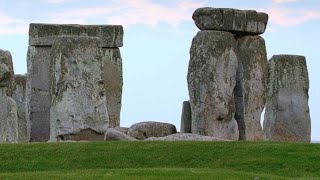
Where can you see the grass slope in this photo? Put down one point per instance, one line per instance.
(153, 160)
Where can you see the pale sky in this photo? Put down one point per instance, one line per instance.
(157, 40)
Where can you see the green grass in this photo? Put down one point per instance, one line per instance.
(160, 160)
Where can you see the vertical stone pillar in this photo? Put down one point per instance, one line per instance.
(186, 120)
(6, 58)
(78, 104)
(250, 91)
(19, 96)
(211, 80)
(41, 39)
(8, 108)
(287, 116)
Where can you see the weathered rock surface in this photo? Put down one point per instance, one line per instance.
(211, 81)
(287, 116)
(8, 108)
(6, 58)
(19, 96)
(186, 118)
(37, 92)
(77, 95)
(113, 80)
(144, 130)
(250, 91)
(45, 34)
(122, 129)
(114, 135)
(185, 137)
(241, 22)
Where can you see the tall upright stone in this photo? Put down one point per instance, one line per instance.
(6, 58)
(186, 119)
(78, 104)
(8, 108)
(41, 39)
(250, 91)
(19, 96)
(211, 80)
(287, 116)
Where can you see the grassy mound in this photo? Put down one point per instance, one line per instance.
(164, 160)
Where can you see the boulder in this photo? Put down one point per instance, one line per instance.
(122, 129)
(77, 95)
(144, 130)
(211, 81)
(19, 96)
(6, 58)
(186, 118)
(113, 81)
(45, 34)
(240, 22)
(250, 91)
(185, 137)
(8, 109)
(114, 135)
(287, 116)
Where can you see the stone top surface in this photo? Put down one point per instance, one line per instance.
(240, 22)
(44, 34)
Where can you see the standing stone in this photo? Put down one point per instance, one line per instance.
(240, 22)
(186, 118)
(8, 108)
(78, 104)
(113, 80)
(19, 96)
(250, 91)
(287, 116)
(6, 58)
(41, 39)
(211, 81)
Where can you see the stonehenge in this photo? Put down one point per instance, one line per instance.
(73, 88)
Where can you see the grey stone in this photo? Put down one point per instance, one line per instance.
(211, 81)
(185, 137)
(6, 58)
(241, 22)
(250, 91)
(113, 80)
(77, 95)
(287, 116)
(114, 135)
(148, 129)
(186, 118)
(45, 34)
(121, 129)
(37, 92)
(19, 96)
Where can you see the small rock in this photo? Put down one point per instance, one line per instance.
(115, 135)
(148, 129)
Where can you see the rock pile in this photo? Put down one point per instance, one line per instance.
(8, 107)
(41, 40)
(287, 116)
(227, 73)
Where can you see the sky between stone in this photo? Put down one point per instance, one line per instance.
(157, 39)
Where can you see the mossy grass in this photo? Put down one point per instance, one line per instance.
(153, 160)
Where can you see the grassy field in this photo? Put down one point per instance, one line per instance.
(160, 160)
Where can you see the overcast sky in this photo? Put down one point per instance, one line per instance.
(157, 40)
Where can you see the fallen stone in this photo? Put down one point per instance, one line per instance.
(19, 96)
(287, 116)
(211, 81)
(122, 129)
(185, 137)
(77, 95)
(45, 34)
(144, 130)
(240, 22)
(82, 135)
(113, 80)
(250, 91)
(6, 58)
(114, 135)
(186, 118)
